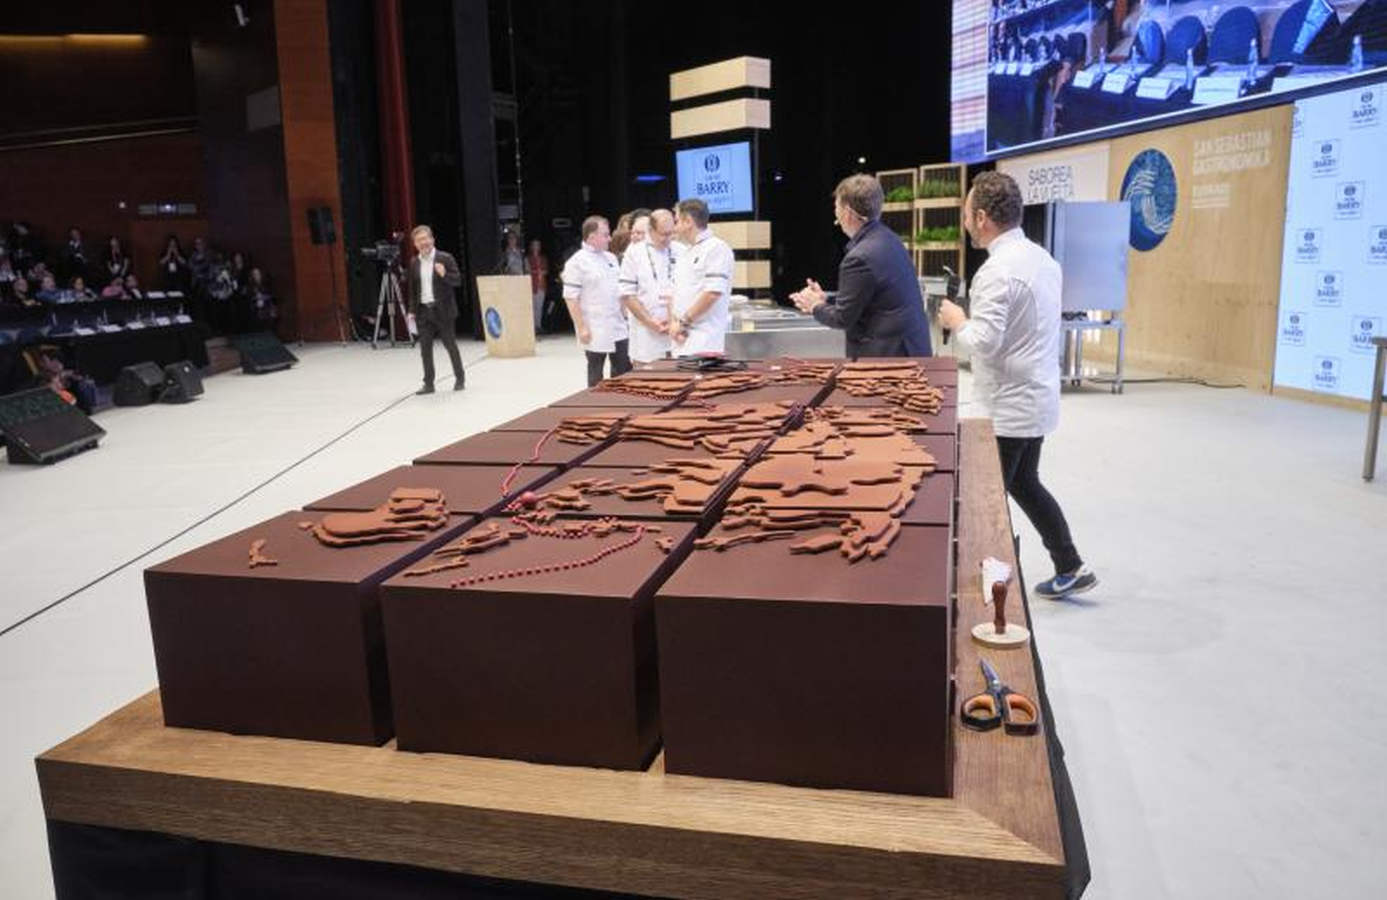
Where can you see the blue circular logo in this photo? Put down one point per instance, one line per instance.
(493, 322)
(1149, 187)
(712, 162)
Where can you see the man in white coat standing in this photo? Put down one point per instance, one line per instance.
(702, 285)
(647, 287)
(1013, 337)
(592, 292)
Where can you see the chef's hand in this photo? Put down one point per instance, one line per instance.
(584, 334)
(809, 299)
(442, 272)
(951, 315)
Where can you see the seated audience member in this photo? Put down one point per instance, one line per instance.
(48, 290)
(132, 287)
(115, 290)
(80, 291)
(19, 294)
(117, 263)
(72, 261)
(73, 387)
(24, 246)
(238, 271)
(173, 266)
(38, 272)
(7, 272)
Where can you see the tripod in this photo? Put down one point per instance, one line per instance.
(389, 303)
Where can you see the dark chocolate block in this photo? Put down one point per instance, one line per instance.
(829, 674)
(469, 490)
(291, 650)
(943, 447)
(505, 448)
(555, 668)
(547, 417)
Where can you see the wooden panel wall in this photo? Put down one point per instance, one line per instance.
(1203, 303)
(310, 160)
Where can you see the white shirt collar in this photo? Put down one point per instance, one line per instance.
(1011, 234)
(703, 236)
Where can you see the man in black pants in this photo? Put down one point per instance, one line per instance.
(433, 276)
(1013, 337)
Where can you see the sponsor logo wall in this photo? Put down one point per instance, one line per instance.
(1333, 302)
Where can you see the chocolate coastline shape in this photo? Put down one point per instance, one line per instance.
(408, 514)
(469, 489)
(826, 675)
(556, 668)
(672, 487)
(506, 448)
(593, 397)
(294, 650)
(547, 417)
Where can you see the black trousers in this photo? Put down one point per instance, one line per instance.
(1021, 473)
(432, 325)
(621, 361)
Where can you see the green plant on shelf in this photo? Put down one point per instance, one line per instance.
(944, 234)
(935, 188)
(899, 195)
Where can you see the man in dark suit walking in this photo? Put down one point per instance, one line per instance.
(878, 303)
(433, 308)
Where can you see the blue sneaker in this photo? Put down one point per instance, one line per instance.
(1076, 582)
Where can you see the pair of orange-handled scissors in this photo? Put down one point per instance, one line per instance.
(999, 705)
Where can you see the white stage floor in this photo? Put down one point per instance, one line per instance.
(1222, 733)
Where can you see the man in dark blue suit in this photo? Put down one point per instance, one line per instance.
(878, 303)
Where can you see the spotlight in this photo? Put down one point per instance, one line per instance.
(242, 19)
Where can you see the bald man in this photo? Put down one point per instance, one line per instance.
(647, 287)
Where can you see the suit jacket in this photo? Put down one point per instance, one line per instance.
(878, 303)
(445, 305)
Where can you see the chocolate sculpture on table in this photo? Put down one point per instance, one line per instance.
(409, 514)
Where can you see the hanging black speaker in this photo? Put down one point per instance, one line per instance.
(320, 225)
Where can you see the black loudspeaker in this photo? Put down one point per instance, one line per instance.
(41, 427)
(320, 225)
(182, 382)
(139, 385)
(262, 352)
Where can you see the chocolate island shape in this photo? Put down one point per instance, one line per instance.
(826, 675)
(294, 650)
(556, 667)
(551, 417)
(506, 448)
(593, 397)
(408, 514)
(672, 487)
(469, 489)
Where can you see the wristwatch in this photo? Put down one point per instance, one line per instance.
(685, 322)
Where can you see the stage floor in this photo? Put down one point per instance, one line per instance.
(1231, 531)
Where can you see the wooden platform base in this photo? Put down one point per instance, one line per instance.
(635, 832)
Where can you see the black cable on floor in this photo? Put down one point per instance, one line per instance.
(212, 515)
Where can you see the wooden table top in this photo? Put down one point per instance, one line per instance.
(638, 832)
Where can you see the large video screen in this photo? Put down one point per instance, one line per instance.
(719, 176)
(1031, 71)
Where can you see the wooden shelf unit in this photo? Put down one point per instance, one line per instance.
(900, 216)
(939, 211)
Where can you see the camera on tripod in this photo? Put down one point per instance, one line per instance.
(385, 253)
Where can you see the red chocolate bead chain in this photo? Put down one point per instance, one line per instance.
(555, 567)
(515, 469)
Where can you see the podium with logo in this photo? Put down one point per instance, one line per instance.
(508, 318)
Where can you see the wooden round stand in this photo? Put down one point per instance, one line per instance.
(985, 633)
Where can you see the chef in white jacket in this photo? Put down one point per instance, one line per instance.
(592, 292)
(647, 285)
(702, 285)
(1012, 333)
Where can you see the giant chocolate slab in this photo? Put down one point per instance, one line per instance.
(556, 668)
(469, 490)
(824, 674)
(943, 447)
(292, 649)
(547, 417)
(505, 448)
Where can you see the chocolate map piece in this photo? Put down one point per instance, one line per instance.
(683, 486)
(903, 384)
(654, 387)
(541, 525)
(730, 430)
(588, 429)
(410, 514)
(793, 372)
(257, 555)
